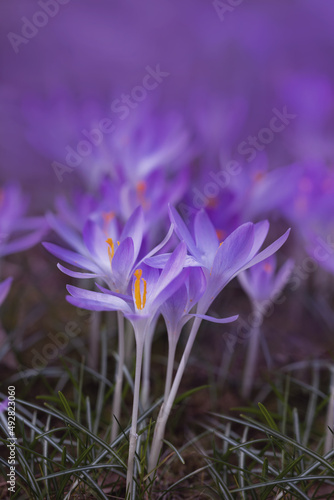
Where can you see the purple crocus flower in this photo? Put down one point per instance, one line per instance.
(262, 283)
(150, 289)
(220, 261)
(14, 225)
(103, 250)
(4, 289)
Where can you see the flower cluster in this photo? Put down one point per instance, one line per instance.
(141, 284)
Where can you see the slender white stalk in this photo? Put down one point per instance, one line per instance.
(129, 345)
(146, 381)
(170, 365)
(133, 431)
(167, 405)
(252, 356)
(117, 398)
(146, 384)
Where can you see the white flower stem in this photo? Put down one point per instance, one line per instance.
(251, 360)
(170, 365)
(133, 431)
(117, 397)
(167, 405)
(146, 385)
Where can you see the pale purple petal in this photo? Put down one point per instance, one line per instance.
(173, 267)
(214, 320)
(182, 231)
(261, 230)
(233, 253)
(107, 302)
(206, 237)
(123, 261)
(71, 257)
(268, 251)
(134, 228)
(75, 274)
(71, 237)
(22, 243)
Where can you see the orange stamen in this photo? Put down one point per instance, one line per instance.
(139, 299)
(111, 249)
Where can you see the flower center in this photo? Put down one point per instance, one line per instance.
(140, 298)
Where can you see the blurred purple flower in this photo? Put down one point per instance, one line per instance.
(14, 224)
(262, 282)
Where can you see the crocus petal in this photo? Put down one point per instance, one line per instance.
(65, 232)
(95, 241)
(268, 251)
(134, 228)
(108, 302)
(196, 285)
(127, 298)
(71, 257)
(206, 237)
(169, 289)
(214, 320)
(173, 267)
(75, 274)
(123, 261)
(159, 261)
(4, 289)
(232, 254)
(23, 243)
(182, 232)
(90, 305)
(261, 230)
(159, 247)
(174, 308)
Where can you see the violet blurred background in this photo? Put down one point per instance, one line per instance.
(226, 75)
